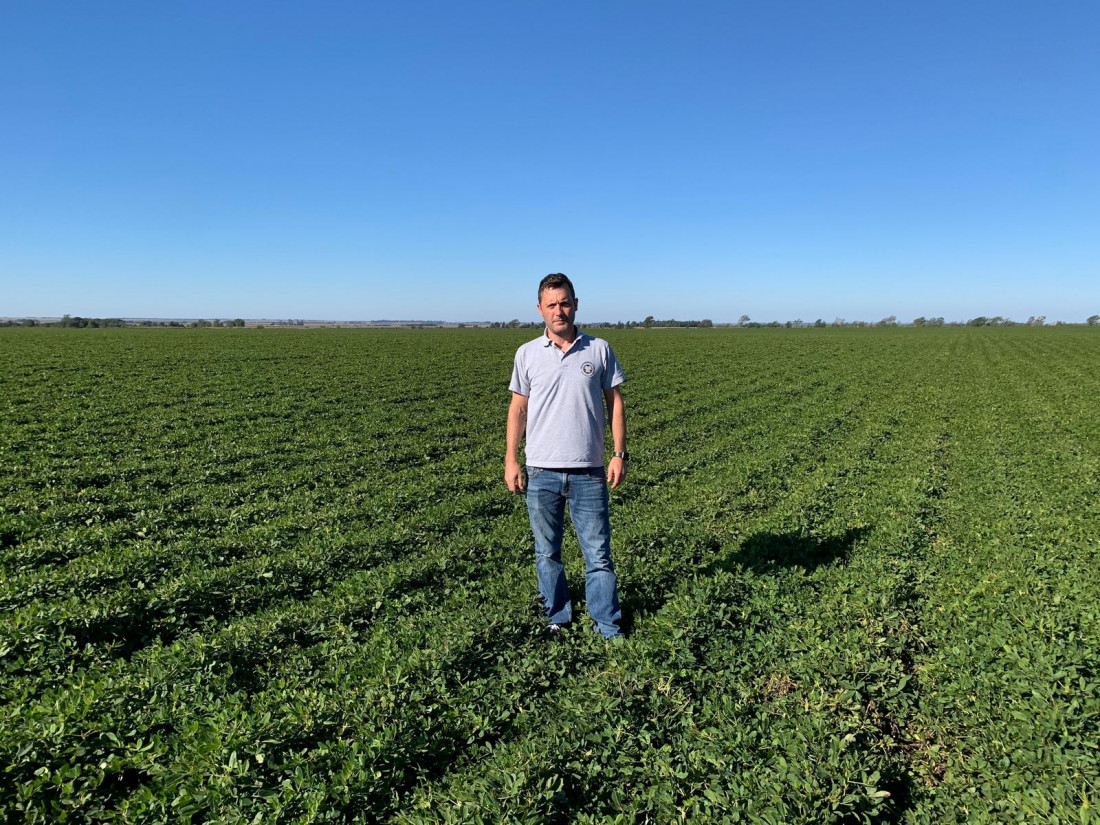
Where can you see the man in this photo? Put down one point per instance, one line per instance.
(560, 384)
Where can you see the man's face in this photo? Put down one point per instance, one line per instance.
(558, 309)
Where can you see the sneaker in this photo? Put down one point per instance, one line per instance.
(553, 629)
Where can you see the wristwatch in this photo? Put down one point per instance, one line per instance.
(624, 455)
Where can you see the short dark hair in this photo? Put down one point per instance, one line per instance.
(555, 280)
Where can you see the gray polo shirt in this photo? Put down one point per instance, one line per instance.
(565, 410)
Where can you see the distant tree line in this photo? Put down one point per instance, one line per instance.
(236, 322)
(649, 322)
(69, 321)
(78, 322)
(746, 322)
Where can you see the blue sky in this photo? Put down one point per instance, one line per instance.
(359, 160)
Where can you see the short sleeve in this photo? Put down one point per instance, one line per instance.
(613, 375)
(520, 382)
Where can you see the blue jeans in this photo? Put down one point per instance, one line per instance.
(585, 490)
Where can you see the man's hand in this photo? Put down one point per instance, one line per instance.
(513, 476)
(616, 472)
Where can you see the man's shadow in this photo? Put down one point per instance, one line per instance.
(762, 553)
(765, 552)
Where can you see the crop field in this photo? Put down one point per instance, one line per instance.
(275, 576)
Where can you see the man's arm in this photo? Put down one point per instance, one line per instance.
(517, 425)
(616, 414)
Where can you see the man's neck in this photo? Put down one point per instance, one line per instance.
(562, 341)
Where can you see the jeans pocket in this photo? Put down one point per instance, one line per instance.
(533, 472)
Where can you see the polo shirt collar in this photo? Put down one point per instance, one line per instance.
(548, 343)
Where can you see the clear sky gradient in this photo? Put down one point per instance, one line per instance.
(433, 160)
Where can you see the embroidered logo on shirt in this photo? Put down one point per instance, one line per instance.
(588, 368)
